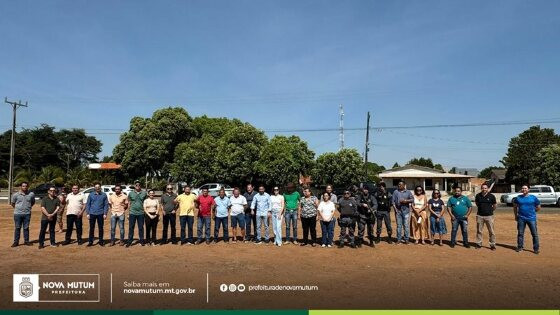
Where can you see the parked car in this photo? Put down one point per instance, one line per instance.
(546, 195)
(213, 189)
(41, 190)
(107, 189)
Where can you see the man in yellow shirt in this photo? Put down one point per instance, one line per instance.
(187, 206)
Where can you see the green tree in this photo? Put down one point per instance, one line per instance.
(487, 172)
(195, 161)
(51, 174)
(150, 143)
(77, 148)
(216, 128)
(340, 169)
(425, 162)
(237, 153)
(283, 159)
(374, 169)
(521, 158)
(396, 165)
(547, 171)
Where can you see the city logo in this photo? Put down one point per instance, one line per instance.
(25, 287)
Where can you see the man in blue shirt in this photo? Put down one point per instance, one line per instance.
(460, 208)
(261, 208)
(97, 206)
(525, 208)
(402, 200)
(221, 214)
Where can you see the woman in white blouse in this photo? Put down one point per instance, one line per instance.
(277, 206)
(326, 215)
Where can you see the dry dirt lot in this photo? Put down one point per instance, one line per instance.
(387, 277)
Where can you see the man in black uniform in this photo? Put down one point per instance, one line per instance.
(367, 205)
(383, 213)
(348, 209)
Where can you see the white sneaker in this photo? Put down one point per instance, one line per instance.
(324, 246)
(329, 246)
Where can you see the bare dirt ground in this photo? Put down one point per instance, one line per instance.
(387, 277)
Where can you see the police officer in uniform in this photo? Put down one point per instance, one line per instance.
(367, 206)
(348, 209)
(383, 213)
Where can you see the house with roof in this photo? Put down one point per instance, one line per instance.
(429, 178)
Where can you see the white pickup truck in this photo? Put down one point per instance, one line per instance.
(546, 195)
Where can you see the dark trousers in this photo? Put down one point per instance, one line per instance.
(71, 221)
(132, 219)
(384, 216)
(184, 221)
(460, 221)
(327, 232)
(363, 224)
(93, 218)
(250, 219)
(169, 220)
(224, 223)
(151, 228)
(309, 225)
(21, 220)
(51, 225)
(521, 224)
(346, 224)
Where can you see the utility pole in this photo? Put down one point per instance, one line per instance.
(366, 155)
(15, 106)
(341, 123)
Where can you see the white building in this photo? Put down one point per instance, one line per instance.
(426, 177)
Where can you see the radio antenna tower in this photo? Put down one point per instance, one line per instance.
(341, 112)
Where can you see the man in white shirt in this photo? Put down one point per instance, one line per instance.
(75, 206)
(238, 206)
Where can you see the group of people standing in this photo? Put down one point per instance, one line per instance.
(251, 213)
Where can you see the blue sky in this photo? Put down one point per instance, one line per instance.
(288, 65)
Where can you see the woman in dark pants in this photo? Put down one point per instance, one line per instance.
(308, 216)
(151, 216)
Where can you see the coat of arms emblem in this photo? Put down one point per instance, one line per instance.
(26, 287)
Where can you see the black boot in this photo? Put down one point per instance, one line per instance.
(390, 239)
(378, 239)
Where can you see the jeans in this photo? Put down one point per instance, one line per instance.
(132, 219)
(71, 220)
(169, 220)
(327, 232)
(19, 221)
(384, 217)
(262, 220)
(151, 228)
(309, 225)
(206, 222)
(185, 220)
(248, 219)
(96, 218)
(291, 221)
(114, 220)
(460, 221)
(224, 222)
(51, 224)
(403, 220)
(277, 228)
(521, 223)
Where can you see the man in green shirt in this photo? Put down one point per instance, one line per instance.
(136, 200)
(460, 208)
(291, 199)
(49, 208)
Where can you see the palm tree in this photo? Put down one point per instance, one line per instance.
(52, 175)
(79, 176)
(24, 175)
